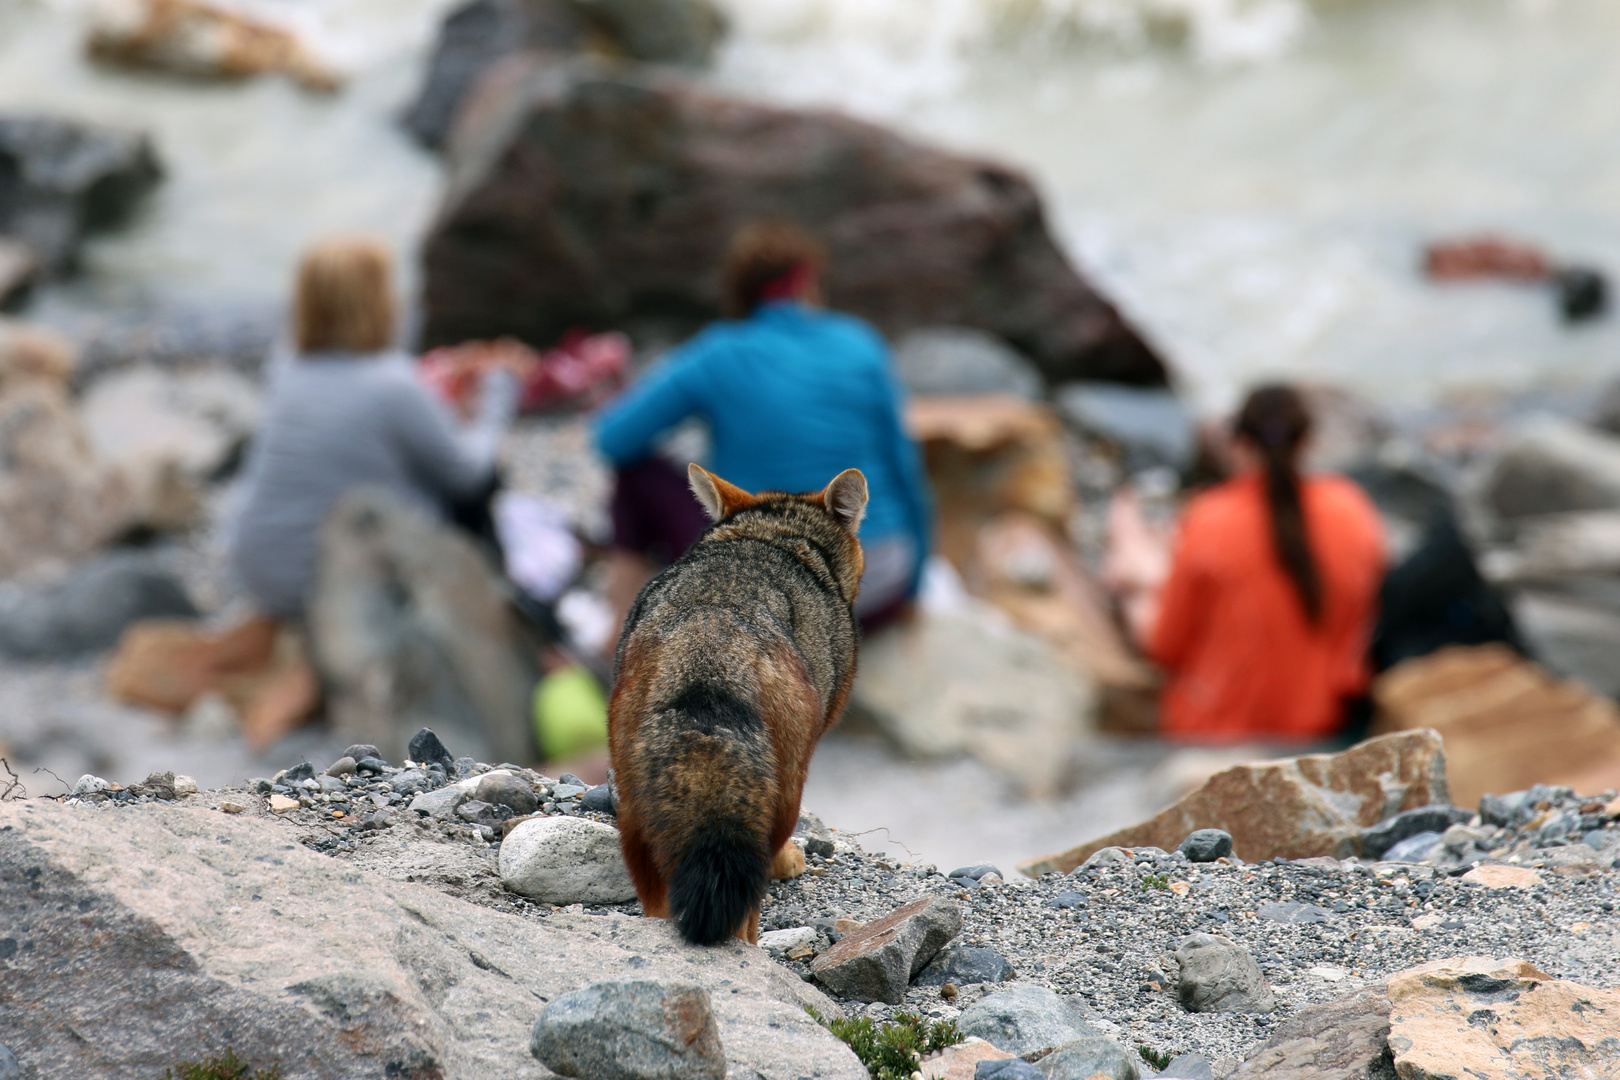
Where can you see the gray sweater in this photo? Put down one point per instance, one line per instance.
(335, 422)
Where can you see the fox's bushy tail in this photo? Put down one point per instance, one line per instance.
(716, 884)
(711, 808)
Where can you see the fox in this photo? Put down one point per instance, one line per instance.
(732, 663)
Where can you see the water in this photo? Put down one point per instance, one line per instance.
(1253, 181)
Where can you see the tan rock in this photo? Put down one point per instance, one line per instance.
(1297, 808)
(200, 40)
(280, 804)
(987, 455)
(1500, 1019)
(961, 1061)
(228, 807)
(1507, 722)
(1496, 876)
(841, 927)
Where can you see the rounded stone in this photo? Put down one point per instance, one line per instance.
(630, 1029)
(564, 860)
(343, 766)
(1206, 845)
(505, 789)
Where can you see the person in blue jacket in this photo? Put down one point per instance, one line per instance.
(792, 395)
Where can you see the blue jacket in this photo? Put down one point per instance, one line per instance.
(792, 396)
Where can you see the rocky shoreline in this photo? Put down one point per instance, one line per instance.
(1114, 939)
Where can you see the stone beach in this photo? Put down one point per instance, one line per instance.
(1535, 881)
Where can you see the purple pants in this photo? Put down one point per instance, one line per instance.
(654, 512)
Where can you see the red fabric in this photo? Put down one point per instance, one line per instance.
(1243, 659)
(790, 286)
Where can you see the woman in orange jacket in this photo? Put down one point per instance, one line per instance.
(1263, 624)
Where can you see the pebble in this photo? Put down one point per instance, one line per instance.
(565, 860)
(343, 766)
(440, 805)
(89, 785)
(780, 941)
(280, 804)
(1206, 845)
(361, 751)
(425, 747)
(599, 799)
(302, 771)
(1415, 848)
(229, 807)
(505, 789)
(1291, 911)
(568, 791)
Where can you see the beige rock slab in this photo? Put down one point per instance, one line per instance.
(148, 935)
(1297, 808)
(959, 1062)
(1500, 1019)
(1503, 877)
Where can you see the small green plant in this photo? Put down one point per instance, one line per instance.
(225, 1067)
(1156, 1058)
(1155, 881)
(892, 1051)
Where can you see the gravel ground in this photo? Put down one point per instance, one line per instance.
(1107, 932)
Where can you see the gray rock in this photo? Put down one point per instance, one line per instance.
(1293, 912)
(161, 957)
(1151, 425)
(1108, 856)
(89, 609)
(425, 748)
(564, 860)
(630, 1030)
(600, 800)
(360, 751)
(1206, 845)
(478, 33)
(654, 251)
(1024, 1019)
(1376, 841)
(302, 771)
(441, 804)
(330, 784)
(371, 764)
(1188, 1067)
(1417, 848)
(1083, 1059)
(1344, 1039)
(965, 965)
(780, 941)
(9, 1069)
(960, 360)
(1551, 465)
(877, 962)
(975, 872)
(482, 813)
(411, 781)
(89, 785)
(1065, 900)
(1007, 1069)
(568, 791)
(1218, 975)
(343, 766)
(411, 627)
(66, 179)
(508, 790)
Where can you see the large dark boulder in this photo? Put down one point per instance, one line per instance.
(60, 180)
(479, 32)
(582, 197)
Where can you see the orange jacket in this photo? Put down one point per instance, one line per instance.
(1244, 661)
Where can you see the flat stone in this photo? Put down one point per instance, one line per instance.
(508, 790)
(632, 1029)
(441, 804)
(1420, 847)
(1206, 845)
(1344, 1039)
(1218, 975)
(877, 962)
(1024, 1019)
(1378, 839)
(960, 1062)
(975, 872)
(964, 965)
(563, 860)
(1292, 911)
(568, 791)
(280, 804)
(1295, 808)
(1498, 876)
(1483, 1017)
(780, 941)
(152, 938)
(1090, 1058)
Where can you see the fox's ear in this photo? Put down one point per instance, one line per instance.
(718, 497)
(846, 497)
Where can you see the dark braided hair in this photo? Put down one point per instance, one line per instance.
(1274, 419)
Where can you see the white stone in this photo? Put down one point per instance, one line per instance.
(442, 803)
(89, 784)
(563, 860)
(780, 941)
(1328, 974)
(184, 785)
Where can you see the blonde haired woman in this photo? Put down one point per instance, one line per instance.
(346, 411)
